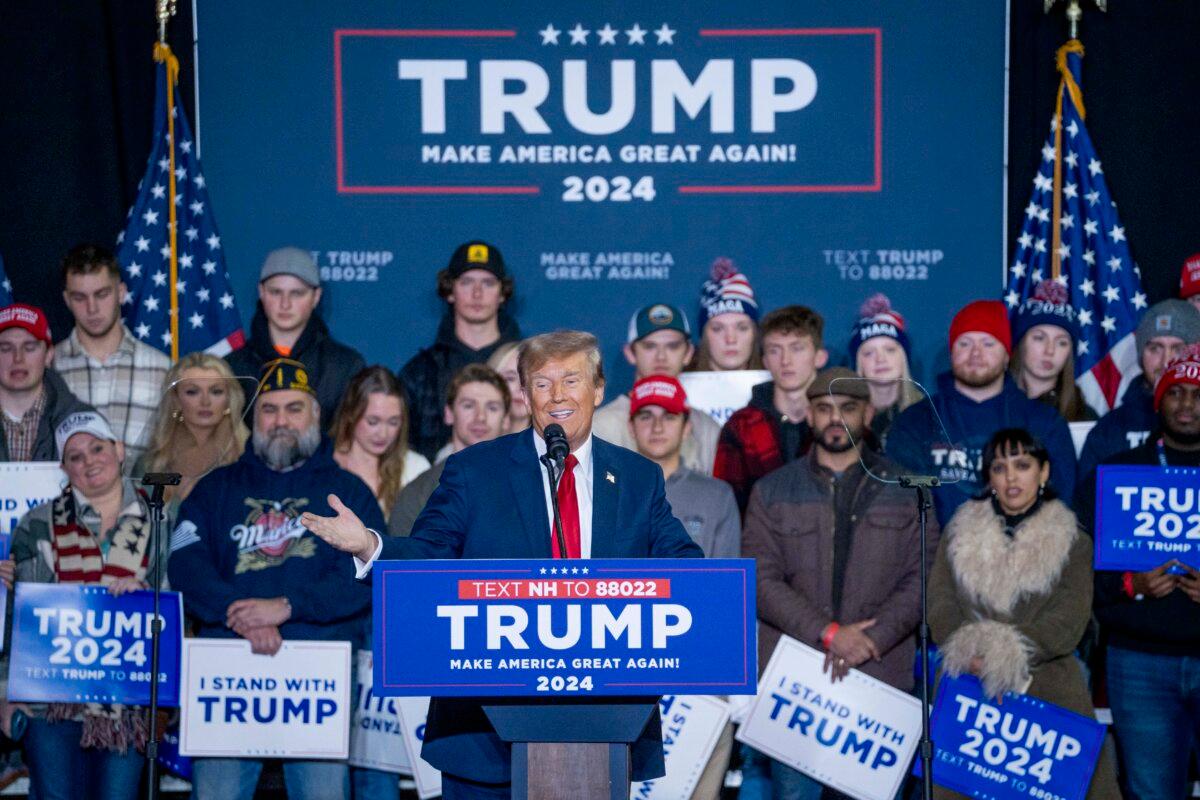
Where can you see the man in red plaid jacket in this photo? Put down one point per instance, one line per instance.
(771, 430)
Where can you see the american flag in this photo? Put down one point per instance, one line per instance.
(208, 316)
(6, 298)
(1090, 254)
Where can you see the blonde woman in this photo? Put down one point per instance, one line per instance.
(200, 424)
(370, 435)
(879, 352)
(504, 361)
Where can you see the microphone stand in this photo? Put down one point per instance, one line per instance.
(552, 480)
(923, 483)
(159, 481)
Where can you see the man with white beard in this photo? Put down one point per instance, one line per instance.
(248, 568)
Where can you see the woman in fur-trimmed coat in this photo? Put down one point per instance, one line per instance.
(1010, 593)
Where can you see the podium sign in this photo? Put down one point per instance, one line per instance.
(1146, 516)
(564, 628)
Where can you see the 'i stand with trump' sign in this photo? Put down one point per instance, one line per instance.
(857, 735)
(1021, 748)
(1146, 516)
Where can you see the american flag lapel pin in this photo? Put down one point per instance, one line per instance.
(608, 476)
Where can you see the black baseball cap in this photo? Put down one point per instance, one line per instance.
(476, 255)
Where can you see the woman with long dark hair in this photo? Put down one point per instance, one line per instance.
(1010, 594)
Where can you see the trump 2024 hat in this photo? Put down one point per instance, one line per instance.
(92, 422)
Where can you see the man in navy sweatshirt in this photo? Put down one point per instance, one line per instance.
(974, 400)
(247, 567)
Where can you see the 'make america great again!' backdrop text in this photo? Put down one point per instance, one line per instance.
(611, 151)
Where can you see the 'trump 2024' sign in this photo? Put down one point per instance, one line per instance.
(1146, 516)
(530, 628)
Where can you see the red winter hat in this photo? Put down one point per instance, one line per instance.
(1189, 277)
(985, 316)
(658, 390)
(1185, 369)
(30, 318)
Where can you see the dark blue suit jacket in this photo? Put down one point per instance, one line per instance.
(491, 504)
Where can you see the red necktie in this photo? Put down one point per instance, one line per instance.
(568, 509)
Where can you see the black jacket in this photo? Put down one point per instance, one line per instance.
(330, 362)
(1166, 625)
(60, 404)
(1125, 427)
(428, 373)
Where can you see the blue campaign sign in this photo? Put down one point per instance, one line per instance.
(78, 644)
(1020, 748)
(587, 627)
(611, 151)
(1146, 516)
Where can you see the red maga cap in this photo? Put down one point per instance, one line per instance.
(30, 318)
(658, 390)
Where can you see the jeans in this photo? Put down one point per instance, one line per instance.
(1155, 703)
(374, 784)
(59, 769)
(234, 778)
(460, 789)
(756, 774)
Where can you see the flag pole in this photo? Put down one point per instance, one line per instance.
(1066, 83)
(162, 52)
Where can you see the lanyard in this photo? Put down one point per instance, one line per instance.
(1162, 452)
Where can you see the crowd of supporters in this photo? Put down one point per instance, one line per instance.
(800, 479)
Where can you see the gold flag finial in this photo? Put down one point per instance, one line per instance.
(165, 9)
(1074, 12)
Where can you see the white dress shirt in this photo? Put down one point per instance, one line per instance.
(583, 495)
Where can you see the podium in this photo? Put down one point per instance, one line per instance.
(571, 749)
(563, 661)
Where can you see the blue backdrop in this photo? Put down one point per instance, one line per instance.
(832, 149)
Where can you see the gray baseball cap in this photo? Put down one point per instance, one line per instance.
(291, 261)
(1171, 317)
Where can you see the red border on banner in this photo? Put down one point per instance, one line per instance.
(808, 188)
(413, 33)
(339, 136)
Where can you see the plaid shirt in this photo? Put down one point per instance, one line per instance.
(126, 388)
(20, 435)
(749, 447)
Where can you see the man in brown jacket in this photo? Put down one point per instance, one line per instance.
(838, 551)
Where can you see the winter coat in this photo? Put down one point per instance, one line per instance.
(751, 443)
(917, 440)
(60, 404)
(789, 531)
(1021, 605)
(330, 363)
(427, 375)
(1125, 427)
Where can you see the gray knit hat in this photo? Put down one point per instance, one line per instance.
(1169, 318)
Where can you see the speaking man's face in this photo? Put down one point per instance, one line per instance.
(562, 391)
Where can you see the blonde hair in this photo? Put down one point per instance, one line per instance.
(163, 441)
(909, 393)
(369, 381)
(501, 353)
(537, 350)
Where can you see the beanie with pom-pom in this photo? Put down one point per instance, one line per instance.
(727, 291)
(876, 317)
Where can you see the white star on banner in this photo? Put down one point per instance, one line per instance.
(226, 300)
(578, 34)
(165, 338)
(214, 242)
(1012, 298)
(1048, 153)
(1032, 210)
(607, 34)
(1117, 234)
(1025, 240)
(199, 181)
(159, 191)
(636, 34)
(1042, 183)
(191, 234)
(1089, 257)
(549, 35)
(151, 303)
(134, 270)
(1114, 264)
(1081, 348)
(1067, 221)
(665, 35)
(1109, 324)
(1139, 300)
(202, 295)
(209, 267)
(160, 278)
(1093, 197)
(142, 330)
(1085, 317)
(1091, 227)
(142, 244)
(1071, 159)
(1088, 287)
(1018, 270)
(197, 207)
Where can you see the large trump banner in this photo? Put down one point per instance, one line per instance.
(611, 152)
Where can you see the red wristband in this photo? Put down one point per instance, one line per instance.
(827, 635)
(1127, 585)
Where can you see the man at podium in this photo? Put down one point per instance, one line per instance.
(494, 502)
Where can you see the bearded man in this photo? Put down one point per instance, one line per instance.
(838, 552)
(976, 398)
(248, 568)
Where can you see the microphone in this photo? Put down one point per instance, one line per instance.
(557, 446)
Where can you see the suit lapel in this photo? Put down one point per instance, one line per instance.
(528, 480)
(605, 482)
